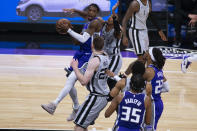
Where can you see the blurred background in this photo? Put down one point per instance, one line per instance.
(31, 23)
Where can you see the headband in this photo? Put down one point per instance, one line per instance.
(150, 51)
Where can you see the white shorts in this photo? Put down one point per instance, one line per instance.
(139, 40)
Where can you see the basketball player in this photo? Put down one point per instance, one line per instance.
(138, 11)
(82, 56)
(90, 15)
(154, 75)
(95, 80)
(133, 106)
(187, 61)
(111, 33)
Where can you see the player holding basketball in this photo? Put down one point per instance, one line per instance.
(92, 28)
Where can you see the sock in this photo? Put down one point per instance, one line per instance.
(73, 95)
(192, 58)
(68, 85)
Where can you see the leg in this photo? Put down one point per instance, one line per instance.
(114, 66)
(50, 108)
(89, 110)
(73, 95)
(64, 92)
(177, 25)
(158, 112)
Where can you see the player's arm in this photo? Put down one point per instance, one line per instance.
(117, 30)
(193, 20)
(79, 12)
(148, 113)
(115, 7)
(87, 34)
(133, 7)
(148, 76)
(92, 66)
(118, 87)
(153, 20)
(113, 106)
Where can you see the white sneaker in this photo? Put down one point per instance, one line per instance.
(72, 115)
(178, 44)
(50, 108)
(185, 63)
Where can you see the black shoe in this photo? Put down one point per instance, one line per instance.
(68, 72)
(177, 44)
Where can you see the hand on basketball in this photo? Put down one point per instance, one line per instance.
(62, 26)
(125, 41)
(74, 63)
(162, 35)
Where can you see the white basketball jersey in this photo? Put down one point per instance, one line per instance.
(139, 18)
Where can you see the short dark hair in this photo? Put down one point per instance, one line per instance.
(95, 6)
(138, 68)
(137, 83)
(98, 43)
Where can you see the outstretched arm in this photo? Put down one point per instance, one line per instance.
(114, 8)
(113, 106)
(79, 12)
(93, 27)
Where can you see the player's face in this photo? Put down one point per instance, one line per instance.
(92, 13)
(110, 20)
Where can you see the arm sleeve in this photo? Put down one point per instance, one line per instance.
(81, 38)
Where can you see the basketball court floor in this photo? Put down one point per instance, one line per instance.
(29, 78)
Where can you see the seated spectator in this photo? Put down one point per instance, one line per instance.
(183, 10)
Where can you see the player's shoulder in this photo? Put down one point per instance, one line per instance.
(134, 5)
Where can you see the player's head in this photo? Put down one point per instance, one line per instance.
(98, 43)
(92, 10)
(110, 19)
(137, 83)
(138, 68)
(157, 57)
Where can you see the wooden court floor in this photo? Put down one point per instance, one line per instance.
(27, 81)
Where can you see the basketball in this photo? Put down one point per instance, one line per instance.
(62, 26)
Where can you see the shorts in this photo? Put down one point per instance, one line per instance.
(139, 40)
(115, 63)
(90, 110)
